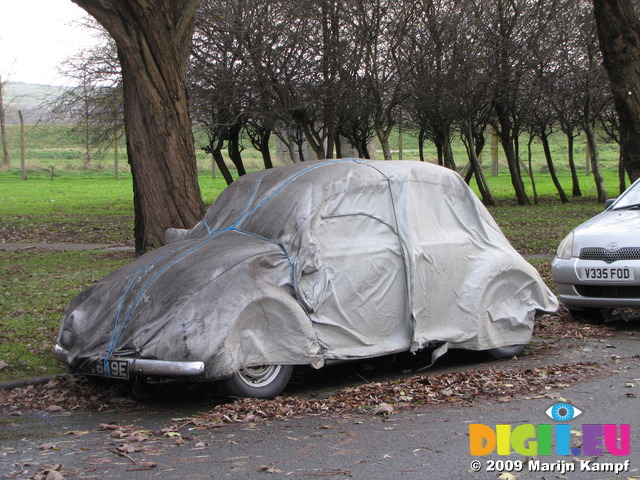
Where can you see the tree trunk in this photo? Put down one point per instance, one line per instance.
(215, 148)
(154, 43)
(116, 160)
(219, 159)
(476, 168)
(234, 148)
(421, 140)
(575, 183)
(264, 148)
(619, 35)
(533, 180)
(338, 145)
(505, 134)
(449, 161)
(595, 163)
(383, 138)
(622, 181)
(544, 137)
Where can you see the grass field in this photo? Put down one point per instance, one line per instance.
(36, 285)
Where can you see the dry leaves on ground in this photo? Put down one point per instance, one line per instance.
(461, 388)
(63, 393)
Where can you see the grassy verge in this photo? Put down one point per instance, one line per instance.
(36, 286)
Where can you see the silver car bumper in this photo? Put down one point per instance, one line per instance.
(575, 292)
(140, 366)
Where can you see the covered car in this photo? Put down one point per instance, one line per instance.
(308, 264)
(597, 265)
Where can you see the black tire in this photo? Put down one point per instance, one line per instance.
(508, 351)
(264, 381)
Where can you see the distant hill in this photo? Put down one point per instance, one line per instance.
(30, 98)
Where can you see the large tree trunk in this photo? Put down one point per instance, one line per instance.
(154, 44)
(619, 34)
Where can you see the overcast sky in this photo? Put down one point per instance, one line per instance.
(36, 36)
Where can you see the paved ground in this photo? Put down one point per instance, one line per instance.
(430, 442)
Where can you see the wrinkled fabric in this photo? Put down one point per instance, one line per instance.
(317, 261)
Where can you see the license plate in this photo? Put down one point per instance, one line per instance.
(117, 369)
(607, 274)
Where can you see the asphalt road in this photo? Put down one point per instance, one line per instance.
(414, 443)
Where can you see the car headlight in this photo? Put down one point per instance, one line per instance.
(566, 247)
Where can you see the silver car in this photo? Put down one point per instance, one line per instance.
(597, 266)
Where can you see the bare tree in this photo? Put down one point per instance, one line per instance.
(379, 28)
(154, 40)
(619, 34)
(433, 55)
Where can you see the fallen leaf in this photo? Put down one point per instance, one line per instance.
(54, 475)
(268, 468)
(383, 409)
(128, 448)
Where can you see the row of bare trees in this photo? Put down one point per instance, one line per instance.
(313, 72)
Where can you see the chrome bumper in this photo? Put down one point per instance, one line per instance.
(146, 367)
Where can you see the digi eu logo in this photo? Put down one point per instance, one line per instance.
(548, 439)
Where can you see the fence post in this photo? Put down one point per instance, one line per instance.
(115, 148)
(22, 147)
(494, 153)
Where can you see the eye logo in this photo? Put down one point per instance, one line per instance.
(563, 412)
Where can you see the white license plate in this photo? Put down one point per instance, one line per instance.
(607, 274)
(117, 369)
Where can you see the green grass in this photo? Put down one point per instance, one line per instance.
(35, 288)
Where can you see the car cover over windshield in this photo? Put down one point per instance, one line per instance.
(319, 260)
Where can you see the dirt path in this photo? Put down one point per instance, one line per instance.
(61, 247)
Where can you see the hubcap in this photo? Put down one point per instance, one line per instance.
(259, 376)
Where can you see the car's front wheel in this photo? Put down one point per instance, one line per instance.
(263, 381)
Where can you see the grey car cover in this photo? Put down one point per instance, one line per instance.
(312, 262)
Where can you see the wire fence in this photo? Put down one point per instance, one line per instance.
(55, 151)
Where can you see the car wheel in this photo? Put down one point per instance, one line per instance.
(263, 381)
(588, 315)
(508, 351)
